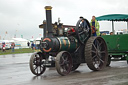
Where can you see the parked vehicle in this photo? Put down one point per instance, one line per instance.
(7, 44)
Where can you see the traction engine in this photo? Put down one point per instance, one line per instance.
(65, 47)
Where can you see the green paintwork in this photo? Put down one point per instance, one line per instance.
(113, 17)
(67, 45)
(117, 43)
(114, 53)
(126, 57)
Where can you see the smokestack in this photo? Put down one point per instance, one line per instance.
(44, 26)
(49, 31)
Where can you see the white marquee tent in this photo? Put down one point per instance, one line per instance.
(20, 42)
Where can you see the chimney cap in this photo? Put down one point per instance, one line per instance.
(48, 7)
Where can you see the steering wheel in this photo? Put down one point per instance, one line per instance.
(83, 30)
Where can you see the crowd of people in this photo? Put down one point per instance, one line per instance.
(12, 46)
(32, 45)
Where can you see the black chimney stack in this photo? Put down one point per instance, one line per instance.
(49, 31)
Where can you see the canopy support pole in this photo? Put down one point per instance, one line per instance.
(113, 27)
(127, 26)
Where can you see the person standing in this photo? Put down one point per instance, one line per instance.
(3, 47)
(12, 46)
(95, 26)
(32, 45)
(28, 44)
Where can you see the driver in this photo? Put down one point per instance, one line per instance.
(83, 24)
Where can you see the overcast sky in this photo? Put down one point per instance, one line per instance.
(23, 17)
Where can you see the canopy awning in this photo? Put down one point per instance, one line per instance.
(113, 17)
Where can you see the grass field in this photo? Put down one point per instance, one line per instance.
(17, 51)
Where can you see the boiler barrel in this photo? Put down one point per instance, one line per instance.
(59, 44)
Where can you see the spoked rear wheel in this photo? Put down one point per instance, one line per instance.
(96, 54)
(36, 64)
(63, 63)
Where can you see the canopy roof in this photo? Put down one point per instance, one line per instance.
(113, 17)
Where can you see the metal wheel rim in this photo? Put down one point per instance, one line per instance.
(63, 63)
(36, 64)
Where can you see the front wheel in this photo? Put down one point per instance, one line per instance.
(63, 63)
(96, 54)
(36, 63)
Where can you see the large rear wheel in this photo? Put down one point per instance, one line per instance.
(96, 54)
(109, 61)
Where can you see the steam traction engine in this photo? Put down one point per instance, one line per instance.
(67, 50)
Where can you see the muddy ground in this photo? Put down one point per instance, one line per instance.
(14, 70)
